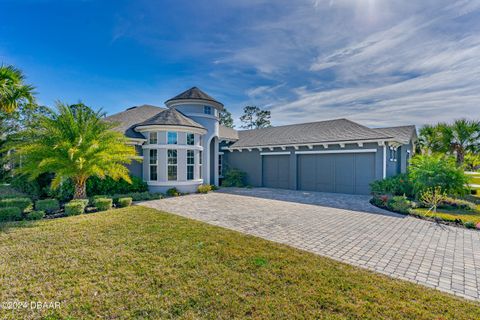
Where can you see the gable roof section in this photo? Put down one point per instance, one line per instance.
(401, 133)
(170, 117)
(225, 133)
(127, 119)
(194, 93)
(314, 132)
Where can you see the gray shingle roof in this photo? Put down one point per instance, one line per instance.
(402, 133)
(194, 93)
(127, 119)
(170, 117)
(315, 132)
(226, 133)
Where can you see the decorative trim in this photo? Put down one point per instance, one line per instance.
(275, 153)
(202, 115)
(221, 153)
(136, 141)
(337, 151)
(384, 161)
(172, 146)
(171, 128)
(174, 183)
(181, 102)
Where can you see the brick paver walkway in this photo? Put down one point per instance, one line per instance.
(438, 256)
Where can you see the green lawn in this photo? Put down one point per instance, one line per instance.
(449, 215)
(141, 263)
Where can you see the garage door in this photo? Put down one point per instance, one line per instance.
(276, 171)
(344, 173)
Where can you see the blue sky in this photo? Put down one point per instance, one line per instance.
(378, 62)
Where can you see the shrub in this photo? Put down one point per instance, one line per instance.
(138, 196)
(96, 186)
(398, 185)
(85, 202)
(173, 192)
(10, 214)
(432, 197)
(75, 207)
(47, 205)
(35, 215)
(103, 204)
(469, 225)
(124, 202)
(380, 200)
(204, 188)
(399, 204)
(21, 203)
(234, 178)
(431, 171)
(457, 204)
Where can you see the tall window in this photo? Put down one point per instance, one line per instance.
(172, 164)
(200, 161)
(153, 164)
(190, 139)
(190, 164)
(220, 165)
(172, 138)
(207, 110)
(153, 138)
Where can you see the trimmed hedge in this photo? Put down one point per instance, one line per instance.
(35, 215)
(103, 204)
(21, 203)
(138, 196)
(124, 202)
(84, 202)
(204, 188)
(74, 208)
(47, 205)
(173, 192)
(10, 214)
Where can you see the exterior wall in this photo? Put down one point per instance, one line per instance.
(136, 167)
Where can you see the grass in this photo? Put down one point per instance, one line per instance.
(452, 214)
(141, 263)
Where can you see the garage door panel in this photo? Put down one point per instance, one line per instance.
(344, 173)
(364, 172)
(276, 171)
(307, 180)
(325, 174)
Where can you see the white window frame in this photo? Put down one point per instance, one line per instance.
(153, 135)
(172, 165)
(168, 137)
(190, 134)
(207, 108)
(200, 164)
(191, 166)
(153, 164)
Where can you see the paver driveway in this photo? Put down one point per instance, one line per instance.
(346, 228)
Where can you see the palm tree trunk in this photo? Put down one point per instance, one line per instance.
(80, 188)
(460, 156)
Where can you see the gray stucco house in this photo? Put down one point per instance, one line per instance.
(184, 146)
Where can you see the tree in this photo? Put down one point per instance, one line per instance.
(460, 137)
(226, 118)
(74, 143)
(254, 118)
(429, 139)
(13, 91)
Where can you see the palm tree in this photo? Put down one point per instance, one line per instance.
(429, 139)
(460, 137)
(13, 91)
(74, 143)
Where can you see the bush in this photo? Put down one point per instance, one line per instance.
(234, 178)
(103, 204)
(469, 225)
(84, 202)
(124, 202)
(432, 197)
(457, 204)
(96, 186)
(35, 215)
(21, 203)
(380, 200)
(204, 188)
(75, 207)
(10, 214)
(138, 196)
(399, 204)
(398, 185)
(431, 171)
(47, 205)
(173, 192)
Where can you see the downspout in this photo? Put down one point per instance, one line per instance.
(384, 160)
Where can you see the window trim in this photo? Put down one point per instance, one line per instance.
(153, 164)
(200, 164)
(150, 135)
(190, 134)
(172, 165)
(220, 165)
(209, 108)
(191, 166)
(168, 137)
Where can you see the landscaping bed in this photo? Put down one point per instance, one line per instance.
(141, 263)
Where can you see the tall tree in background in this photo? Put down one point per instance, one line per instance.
(13, 90)
(254, 118)
(226, 118)
(74, 143)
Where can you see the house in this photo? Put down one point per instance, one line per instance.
(184, 146)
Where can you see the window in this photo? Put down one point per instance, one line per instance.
(153, 164)
(200, 161)
(172, 138)
(190, 164)
(153, 138)
(393, 154)
(172, 164)
(207, 110)
(220, 165)
(190, 139)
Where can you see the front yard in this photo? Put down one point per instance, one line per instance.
(142, 263)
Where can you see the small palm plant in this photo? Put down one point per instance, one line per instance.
(432, 197)
(13, 91)
(74, 143)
